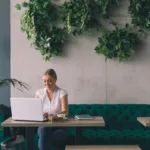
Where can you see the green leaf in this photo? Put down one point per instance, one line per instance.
(25, 4)
(18, 7)
(16, 83)
(28, 37)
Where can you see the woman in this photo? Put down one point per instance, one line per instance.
(54, 102)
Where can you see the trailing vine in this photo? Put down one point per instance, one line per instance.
(84, 15)
(140, 13)
(38, 22)
(106, 4)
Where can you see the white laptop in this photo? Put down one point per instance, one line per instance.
(27, 109)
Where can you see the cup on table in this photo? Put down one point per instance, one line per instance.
(50, 117)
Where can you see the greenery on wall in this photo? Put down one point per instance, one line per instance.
(38, 22)
(119, 43)
(83, 15)
(41, 18)
(140, 13)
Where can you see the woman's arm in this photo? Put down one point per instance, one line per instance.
(64, 105)
(45, 114)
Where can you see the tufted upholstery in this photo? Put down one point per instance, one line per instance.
(123, 134)
(1, 129)
(116, 116)
(121, 124)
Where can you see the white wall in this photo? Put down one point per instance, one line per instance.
(84, 74)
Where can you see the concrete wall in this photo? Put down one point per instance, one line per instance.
(84, 74)
(4, 49)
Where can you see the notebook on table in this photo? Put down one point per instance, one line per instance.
(80, 117)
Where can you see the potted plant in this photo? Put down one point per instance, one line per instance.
(16, 83)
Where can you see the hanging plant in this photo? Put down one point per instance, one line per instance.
(50, 42)
(38, 22)
(83, 15)
(106, 4)
(140, 13)
(119, 43)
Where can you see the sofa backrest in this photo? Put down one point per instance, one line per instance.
(116, 116)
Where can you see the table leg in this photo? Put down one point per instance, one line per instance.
(30, 138)
(78, 134)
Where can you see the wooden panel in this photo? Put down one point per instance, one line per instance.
(97, 121)
(144, 120)
(97, 147)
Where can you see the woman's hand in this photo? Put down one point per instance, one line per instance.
(55, 116)
(46, 115)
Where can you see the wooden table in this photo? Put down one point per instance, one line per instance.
(103, 147)
(144, 121)
(70, 122)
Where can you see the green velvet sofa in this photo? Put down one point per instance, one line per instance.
(121, 125)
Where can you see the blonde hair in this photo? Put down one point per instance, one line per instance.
(52, 73)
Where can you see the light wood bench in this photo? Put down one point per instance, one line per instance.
(101, 147)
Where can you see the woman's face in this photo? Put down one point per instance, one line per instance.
(48, 81)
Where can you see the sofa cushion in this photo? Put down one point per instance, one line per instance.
(124, 116)
(92, 109)
(116, 116)
(71, 131)
(124, 134)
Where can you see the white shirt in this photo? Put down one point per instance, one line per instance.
(53, 106)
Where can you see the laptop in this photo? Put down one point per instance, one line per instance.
(27, 109)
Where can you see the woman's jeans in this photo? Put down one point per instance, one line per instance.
(51, 137)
